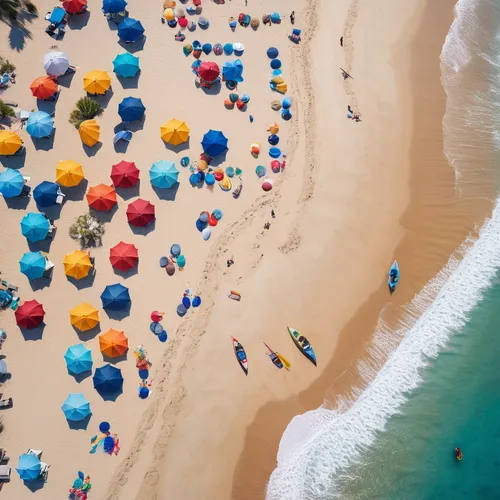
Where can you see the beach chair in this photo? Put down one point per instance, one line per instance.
(3, 455)
(9, 286)
(6, 403)
(4, 473)
(60, 199)
(44, 471)
(295, 36)
(37, 453)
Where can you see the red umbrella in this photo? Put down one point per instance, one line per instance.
(156, 316)
(123, 256)
(140, 213)
(43, 87)
(183, 22)
(30, 314)
(125, 174)
(209, 71)
(74, 6)
(101, 197)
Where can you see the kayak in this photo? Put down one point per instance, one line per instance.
(393, 277)
(303, 345)
(458, 453)
(274, 358)
(241, 355)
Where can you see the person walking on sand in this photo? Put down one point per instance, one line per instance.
(292, 17)
(341, 41)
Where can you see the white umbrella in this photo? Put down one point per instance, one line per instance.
(55, 63)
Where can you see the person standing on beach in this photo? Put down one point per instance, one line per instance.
(341, 41)
(292, 17)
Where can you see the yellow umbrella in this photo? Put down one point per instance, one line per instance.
(84, 317)
(69, 173)
(10, 142)
(89, 132)
(96, 82)
(77, 264)
(168, 14)
(174, 132)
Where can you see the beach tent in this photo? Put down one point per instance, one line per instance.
(89, 131)
(125, 174)
(174, 132)
(108, 379)
(96, 82)
(233, 71)
(101, 197)
(113, 6)
(29, 314)
(214, 142)
(35, 226)
(209, 71)
(69, 173)
(84, 317)
(140, 212)
(123, 256)
(32, 265)
(77, 264)
(115, 297)
(74, 6)
(40, 124)
(76, 407)
(43, 87)
(10, 142)
(131, 109)
(163, 174)
(126, 65)
(55, 63)
(113, 343)
(29, 467)
(78, 359)
(130, 30)
(11, 183)
(46, 194)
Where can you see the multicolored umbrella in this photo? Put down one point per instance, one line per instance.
(174, 132)
(29, 467)
(29, 314)
(43, 87)
(130, 30)
(125, 174)
(11, 183)
(77, 264)
(74, 6)
(101, 197)
(115, 297)
(214, 142)
(40, 124)
(32, 265)
(140, 213)
(35, 226)
(126, 65)
(209, 71)
(108, 379)
(163, 174)
(69, 173)
(113, 6)
(10, 142)
(84, 317)
(123, 256)
(76, 407)
(96, 82)
(113, 343)
(46, 194)
(55, 63)
(78, 359)
(89, 131)
(131, 109)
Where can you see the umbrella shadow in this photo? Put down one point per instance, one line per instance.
(17, 203)
(53, 212)
(40, 246)
(88, 334)
(80, 425)
(218, 159)
(129, 83)
(120, 314)
(92, 150)
(132, 126)
(127, 193)
(103, 100)
(104, 216)
(82, 283)
(48, 107)
(167, 194)
(213, 90)
(35, 485)
(33, 333)
(128, 273)
(116, 359)
(108, 395)
(40, 283)
(46, 143)
(179, 148)
(15, 161)
(76, 193)
(121, 146)
(79, 21)
(66, 79)
(133, 46)
(80, 377)
(143, 230)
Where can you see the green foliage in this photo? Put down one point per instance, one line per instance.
(10, 9)
(88, 230)
(6, 110)
(5, 65)
(31, 8)
(85, 109)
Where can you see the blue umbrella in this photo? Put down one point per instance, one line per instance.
(78, 359)
(113, 6)
(163, 174)
(214, 142)
(35, 226)
(272, 52)
(11, 183)
(115, 297)
(123, 135)
(33, 265)
(131, 109)
(46, 194)
(130, 30)
(76, 407)
(233, 70)
(126, 65)
(40, 124)
(108, 379)
(29, 467)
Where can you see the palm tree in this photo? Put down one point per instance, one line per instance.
(6, 110)
(9, 9)
(88, 230)
(85, 109)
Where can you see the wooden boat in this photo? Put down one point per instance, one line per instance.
(393, 277)
(274, 358)
(303, 345)
(241, 355)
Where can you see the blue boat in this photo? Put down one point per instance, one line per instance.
(303, 345)
(393, 277)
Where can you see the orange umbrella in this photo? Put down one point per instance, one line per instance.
(113, 343)
(43, 87)
(101, 197)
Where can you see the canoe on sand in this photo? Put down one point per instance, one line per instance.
(241, 355)
(303, 345)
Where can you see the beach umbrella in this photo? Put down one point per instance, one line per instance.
(123, 256)
(78, 359)
(115, 297)
(131, 109)
(43, 87)
(272, 52)
(32, 265)
(46, 194)
(96, 82)
(126, 65)
(163, 174)
(130, 30)
(214, 142)
(35, 226)
(29, 467)
(29, 314)
(11, 183)
(76, 407)
(125, 174)
(174, 132)
(113, 6)
(10, 142)
(89, 131)
(209, 71)
(40, 124)
(74, 6)
(77, 264)
(122, 135)
(140, 212)
(108, 379)
(69, 173)
(3, 367)
(101, 197)
(55, 63)
(84, 317)
(113, 343)
(233, 70)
